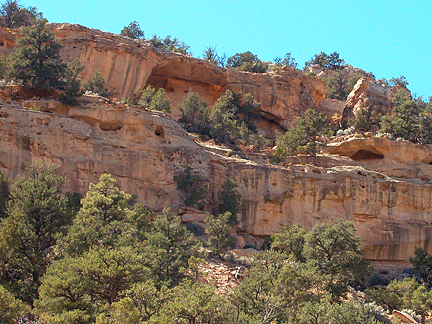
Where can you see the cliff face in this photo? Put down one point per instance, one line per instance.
(129, 66)
(143, 150)
(381, 185)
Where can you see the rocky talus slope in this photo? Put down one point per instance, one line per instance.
(383, 186)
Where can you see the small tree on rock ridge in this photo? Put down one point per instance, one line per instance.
(303, 137)
(37, 62)
(13, 15)
(133, 30)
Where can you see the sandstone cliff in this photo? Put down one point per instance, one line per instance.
(143, 150)
(129, 66)
(381, 185)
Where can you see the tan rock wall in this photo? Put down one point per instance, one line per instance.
(399, 159)
(143, 150)
(391, 216)
(129, 65)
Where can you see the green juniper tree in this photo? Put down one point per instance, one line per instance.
(101, 257)
(36, 214)
(229, 200)
(13, 15)
(12, 310)
(192, 187)
(247, 62)
(324, 60)
(287, 60)
(72, 89)
(133, 30)
(195, 302)
(170, 44)
(169, 245)
(37, 61)
(194, 114)
(97, 85)
(155, 100)
(403, 121)
(220, 238)
(303, 137)
(223, 119)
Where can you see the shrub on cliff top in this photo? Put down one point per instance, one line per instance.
(247, 62)
(322, 59)
(133, 30)
(170, 44)
(13, 15)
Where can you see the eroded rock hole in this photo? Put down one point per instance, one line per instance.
(109, 127)
(366, 155)
(159, 131)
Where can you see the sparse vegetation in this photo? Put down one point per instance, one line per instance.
(13, 15)
(400, 81)
(170, 44)
(97, 85)
(193, 188)
(133, 30)
(303, 137)
(287, 60)
(231, 120)
(247, 62)
(155, 100)
(332, 61)
(211, 55)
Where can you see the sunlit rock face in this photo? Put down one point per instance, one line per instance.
(379, 184)
(129, 66)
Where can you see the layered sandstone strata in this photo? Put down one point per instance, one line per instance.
(129, 66)
(143, 150)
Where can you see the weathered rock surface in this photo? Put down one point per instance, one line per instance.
(129, 66)
(399, 159)
(381, 185)
(370, 95)
(143, 150)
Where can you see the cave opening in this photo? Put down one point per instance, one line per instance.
(159, 131)
(366, 155)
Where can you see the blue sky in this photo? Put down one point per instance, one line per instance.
(388, 38)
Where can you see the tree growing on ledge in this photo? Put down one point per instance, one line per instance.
(37, 62)
(170, 44)
(13, 15)
(247, 62)
(133, 30)
(322, 59)
(303, 137)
